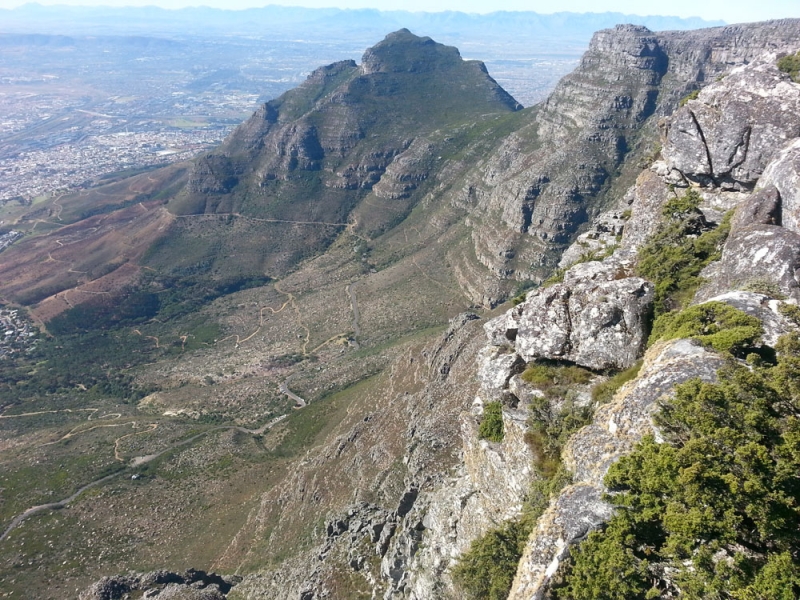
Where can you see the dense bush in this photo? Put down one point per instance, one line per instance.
(791, 64)
(491, 427)
(486, 571)
(713, 512)
(673, 258)
(714, 324)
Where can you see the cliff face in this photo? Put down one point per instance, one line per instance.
(580, 148)
(598, 317)
(404, 484)
(757, 273)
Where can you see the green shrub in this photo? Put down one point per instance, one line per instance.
(714, 324)
(673, 258)
(548, 427)
(690, 96)
(491, 427)
(486, 571)
(556, 277)
(711, 512)
(791, 312)
(791, 64)
(540, 494)
(766, 287)
(554, 379)
(605, 390)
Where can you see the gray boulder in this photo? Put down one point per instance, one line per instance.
(784, 174)
(727, 136)
(597, 323)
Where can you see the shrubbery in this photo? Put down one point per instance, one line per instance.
(713, 512)
(604, 391)
(715, 324)
(550, 427)
(791, 64)
(675, 255)
(486, 571)
(491, 427)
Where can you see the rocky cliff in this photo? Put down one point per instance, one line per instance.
(757, 272)
(597, 317)
(581, 148)
(405, 484)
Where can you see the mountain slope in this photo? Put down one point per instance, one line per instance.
(348, 133)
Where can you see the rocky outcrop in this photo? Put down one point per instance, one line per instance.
(758, 266)
(615, 429)
(784, 174)
(554, 173)
(593, 319)
(727, 136)
(191, 585)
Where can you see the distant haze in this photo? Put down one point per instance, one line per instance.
(731, 12)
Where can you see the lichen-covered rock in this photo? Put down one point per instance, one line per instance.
(617, 426)
(756, 257)
(759, 254)
(495, 369)
(191, 585)
(600, 240)
(784, 174)
(727, 136)
(646, 198)
(597, 324)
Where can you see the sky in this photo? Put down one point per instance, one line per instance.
(731, 11)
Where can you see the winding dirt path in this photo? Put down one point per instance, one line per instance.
(284, 387)
(135, 462)
(153, 427)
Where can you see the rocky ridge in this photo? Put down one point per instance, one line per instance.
(580, 149)
(420, 485)
(755, 234)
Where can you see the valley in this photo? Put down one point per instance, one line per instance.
(270, 360)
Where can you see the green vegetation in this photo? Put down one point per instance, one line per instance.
(690, 96)
(605, 390)
(714, 324)
(791, 312)
(675, 255)
(554, 416)
(765, 286)
(791, 64)
(486, 571)
(554, 379)
(713, 512)
(540, 494)
(491, 427)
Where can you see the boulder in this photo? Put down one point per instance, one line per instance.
(783, 174)
(599, 323)
(727, 136)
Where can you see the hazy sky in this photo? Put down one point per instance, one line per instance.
(732, 11)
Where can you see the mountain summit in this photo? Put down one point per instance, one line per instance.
(349, 132)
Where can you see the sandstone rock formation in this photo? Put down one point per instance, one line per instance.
(592, 319)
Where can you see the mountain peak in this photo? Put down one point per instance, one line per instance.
(402, 51)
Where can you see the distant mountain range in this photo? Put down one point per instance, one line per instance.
(293, 21)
